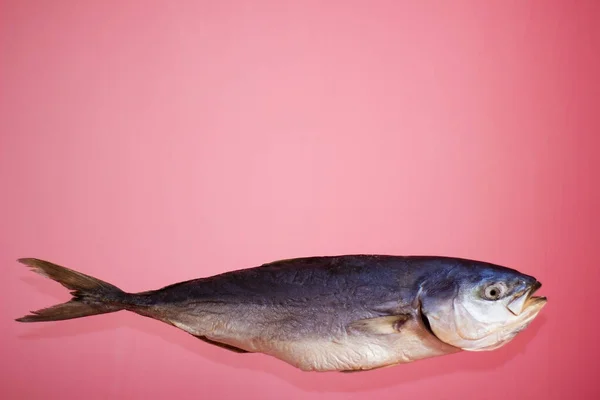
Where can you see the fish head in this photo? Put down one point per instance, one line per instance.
(479, 307)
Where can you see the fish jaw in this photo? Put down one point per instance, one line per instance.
(517, 305)
(525, 299)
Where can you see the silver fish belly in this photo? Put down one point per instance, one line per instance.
(318, 339)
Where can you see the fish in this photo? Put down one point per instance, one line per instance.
(344, 313)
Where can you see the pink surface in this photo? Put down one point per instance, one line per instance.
(149, 142)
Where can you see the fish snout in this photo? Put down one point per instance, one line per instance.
(524, 299)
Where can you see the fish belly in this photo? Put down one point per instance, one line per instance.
(311, 342)
(356, 351)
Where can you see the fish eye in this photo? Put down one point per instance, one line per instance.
(494, 291)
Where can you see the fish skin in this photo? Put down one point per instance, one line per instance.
(310, 312)
(304, 294)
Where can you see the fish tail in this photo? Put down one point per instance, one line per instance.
(91, 296)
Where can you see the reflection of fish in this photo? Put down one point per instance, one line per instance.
(343, 313)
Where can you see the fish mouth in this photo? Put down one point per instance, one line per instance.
(525, 300)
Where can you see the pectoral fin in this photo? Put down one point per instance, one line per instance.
(381, 325)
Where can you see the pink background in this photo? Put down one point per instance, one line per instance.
(149, 142)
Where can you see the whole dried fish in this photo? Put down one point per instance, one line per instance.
(334, 313)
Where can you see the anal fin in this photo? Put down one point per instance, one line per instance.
(192, 332)
(347, 371)
(222, 345)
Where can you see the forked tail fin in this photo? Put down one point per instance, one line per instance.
(91, 296)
